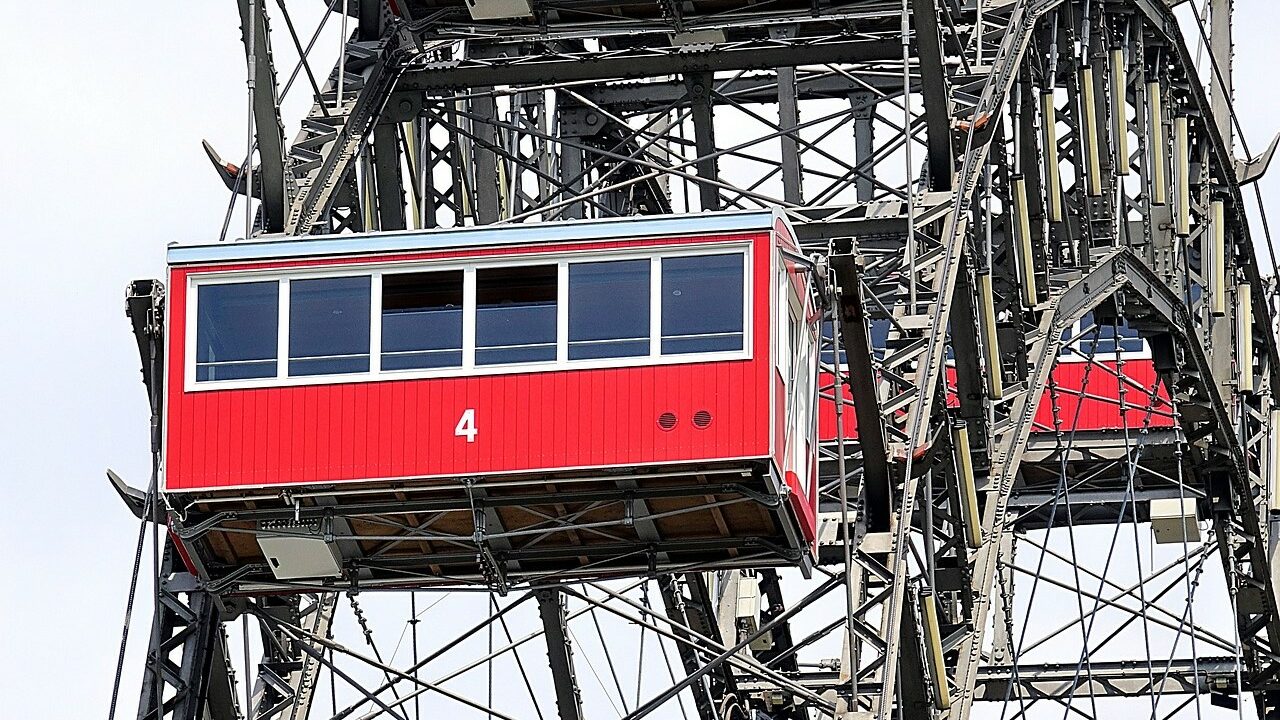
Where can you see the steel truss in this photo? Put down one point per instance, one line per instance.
(1006, 187)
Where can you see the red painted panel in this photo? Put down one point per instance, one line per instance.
(827, 407)
(827, 410)
(526, 421)
(1089, 397)
(803, 507)
(1085, 403)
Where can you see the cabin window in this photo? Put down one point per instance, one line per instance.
(516, 314)
(422, 320)
(1108, 340)
(329, 326)
(702, 304)
(609, 309)
(621, 309)
(236, 330)
(1086, 339)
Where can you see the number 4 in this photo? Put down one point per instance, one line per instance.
(467, 425)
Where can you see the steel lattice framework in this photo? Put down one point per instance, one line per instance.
(1004, 183)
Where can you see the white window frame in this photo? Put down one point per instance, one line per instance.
(192, 316)
(655, 320)
(469, 300)
(377, 270)
(286, 300)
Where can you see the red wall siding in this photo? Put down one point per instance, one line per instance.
(827, 407)
(1094, 413)
(526, 421)
(827, 410)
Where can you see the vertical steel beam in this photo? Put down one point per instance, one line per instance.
(913, 699)
(862, 385)
(1221, 81)
(674, 605)
(571, 167)
(700, 616)
(274, 185)
(484, 158)
(862, 106)
(197, 686)
(560, 654)
(771, 590)
(287, 676)
(788, 120)
(970, 388)
(698, 88)
(387, 178)
(370, 16)
(1002, 650)
(933, 86)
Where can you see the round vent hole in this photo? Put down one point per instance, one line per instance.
(667, 420)
(701, 419)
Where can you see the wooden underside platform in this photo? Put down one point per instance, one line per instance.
(499, 532)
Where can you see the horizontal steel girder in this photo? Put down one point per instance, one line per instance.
(1107, 679)
(652, 62)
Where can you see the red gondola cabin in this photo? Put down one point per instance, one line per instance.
(495, 403)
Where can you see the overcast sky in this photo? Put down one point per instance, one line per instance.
(101, 167)
(105, 106)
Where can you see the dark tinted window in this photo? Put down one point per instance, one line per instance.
(609, 309)
(1108, 340)
(236, 330)
(702, 304)
(515, 315)
(329, 326)
(1102, 340)
(422, 320)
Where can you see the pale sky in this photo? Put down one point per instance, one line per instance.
(106, 104)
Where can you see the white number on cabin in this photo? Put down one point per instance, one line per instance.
(467, 425)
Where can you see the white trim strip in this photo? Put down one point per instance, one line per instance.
(655, 307)
(282, 329)
(375, 324)
(468, 318)
(562, 312)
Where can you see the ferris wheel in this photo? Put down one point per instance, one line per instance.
(776, 360)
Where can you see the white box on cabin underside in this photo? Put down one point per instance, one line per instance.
(294, 558)
(499, 9)
(1175, 519)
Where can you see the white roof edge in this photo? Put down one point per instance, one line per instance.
(479, 236)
